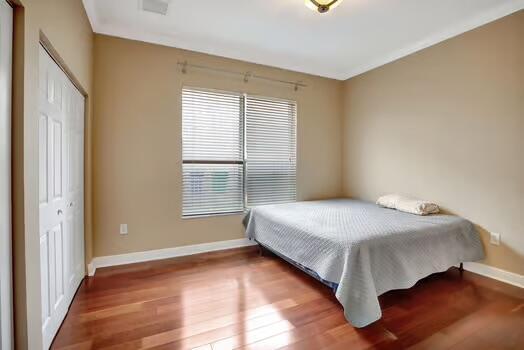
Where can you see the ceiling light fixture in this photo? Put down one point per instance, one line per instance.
(322, 6)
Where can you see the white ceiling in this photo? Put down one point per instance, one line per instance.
(357, 36)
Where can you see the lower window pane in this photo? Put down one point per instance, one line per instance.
(212, 189)
(270, 182)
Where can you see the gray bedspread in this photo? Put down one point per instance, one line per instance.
(366, 249)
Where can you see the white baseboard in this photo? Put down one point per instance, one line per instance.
(131, 258)
(495, 273)
(91, 268)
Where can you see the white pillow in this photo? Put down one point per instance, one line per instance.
(408, 204)
(389, 201)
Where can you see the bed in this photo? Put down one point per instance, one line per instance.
(362, 250)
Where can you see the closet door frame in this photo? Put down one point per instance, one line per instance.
(6, 282)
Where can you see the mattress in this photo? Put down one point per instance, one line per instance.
(364, 249)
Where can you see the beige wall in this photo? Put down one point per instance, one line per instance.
(137, 143)
(462, 100)
(447, 124)
(67, 29)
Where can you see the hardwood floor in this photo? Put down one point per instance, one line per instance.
(238, 299)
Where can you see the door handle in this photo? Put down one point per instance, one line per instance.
(59, 212)
(70, 204)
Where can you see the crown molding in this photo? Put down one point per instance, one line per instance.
(439, 37)
(335, 72)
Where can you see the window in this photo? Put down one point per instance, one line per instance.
(270, 150)
(213, 154)
(239, 151)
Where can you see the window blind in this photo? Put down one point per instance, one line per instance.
(213, 152)
(270, 151)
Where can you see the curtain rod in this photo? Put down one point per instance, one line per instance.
(246, 75)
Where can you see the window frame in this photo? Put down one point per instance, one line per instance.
(243, 97)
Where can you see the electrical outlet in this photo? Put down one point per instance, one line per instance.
(123, 229)
(494, 238)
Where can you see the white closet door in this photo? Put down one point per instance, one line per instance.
(61, 160)
(6, 306)
(75, 187)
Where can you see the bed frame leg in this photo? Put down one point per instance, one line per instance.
(263, 251)
(461, 268)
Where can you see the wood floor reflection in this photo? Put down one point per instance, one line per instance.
(238, 299)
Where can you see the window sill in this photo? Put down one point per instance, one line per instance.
(204, 216)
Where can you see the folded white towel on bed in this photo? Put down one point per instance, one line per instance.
(408, 204)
